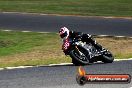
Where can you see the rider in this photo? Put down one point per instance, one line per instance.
(65, 33)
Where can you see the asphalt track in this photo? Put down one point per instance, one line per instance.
(50, 23)
(64, 76)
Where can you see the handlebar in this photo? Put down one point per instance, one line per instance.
(75, 40)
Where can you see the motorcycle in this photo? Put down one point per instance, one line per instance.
(83, 53)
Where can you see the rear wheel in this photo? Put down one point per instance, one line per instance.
(79, 58)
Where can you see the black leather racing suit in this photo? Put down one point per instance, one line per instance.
(85, 38)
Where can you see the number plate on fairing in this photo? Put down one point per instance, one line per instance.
(66, 44)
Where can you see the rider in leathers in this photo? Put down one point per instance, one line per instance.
(65, 33)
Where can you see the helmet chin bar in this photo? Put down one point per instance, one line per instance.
(64, 32)
(64, 35)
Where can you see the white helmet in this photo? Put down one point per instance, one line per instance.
(64, 32)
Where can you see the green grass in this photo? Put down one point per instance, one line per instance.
(18, 48)
(70, 7)
(16, 42)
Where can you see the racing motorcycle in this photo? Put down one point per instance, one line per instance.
(83, 53)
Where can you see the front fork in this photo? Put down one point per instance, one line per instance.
(78, 50)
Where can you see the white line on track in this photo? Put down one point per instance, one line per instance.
(43, 32)
(6, 30)
(60, 64)
(1, 68)
(103, 35)
(26, 31)
(18, 67)
(50, 65)
(122, 59)
(95, 35)
(120, 36)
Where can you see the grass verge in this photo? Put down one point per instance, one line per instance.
(18, 48)
(70, 7)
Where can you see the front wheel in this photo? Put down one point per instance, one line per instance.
(78, 59)
(108, 58)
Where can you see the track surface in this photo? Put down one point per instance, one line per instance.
(62, 76)
(47, 23)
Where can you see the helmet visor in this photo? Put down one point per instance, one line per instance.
(63, 35)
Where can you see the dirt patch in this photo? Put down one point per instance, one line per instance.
(6, 43)
(120, 47)
(33, 55)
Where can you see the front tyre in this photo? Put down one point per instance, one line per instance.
(108, 58)
(78, 59)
